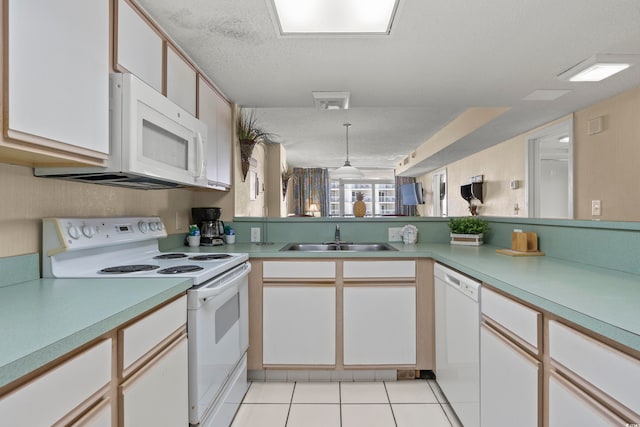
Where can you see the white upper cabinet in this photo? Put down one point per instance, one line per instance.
(139, 47)
(225, 142)
(181, 81)
(215, 111)
(58, 75)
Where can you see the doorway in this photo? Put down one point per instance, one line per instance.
(550, 172)
(439, 180)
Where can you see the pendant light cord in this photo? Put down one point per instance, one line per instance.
(347, 125)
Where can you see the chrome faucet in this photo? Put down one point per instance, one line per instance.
(337, 234)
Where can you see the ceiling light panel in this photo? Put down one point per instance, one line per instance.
(598, 67)
(335, 16)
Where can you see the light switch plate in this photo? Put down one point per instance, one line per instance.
(394, 234)
(596, 207)
(255, 234)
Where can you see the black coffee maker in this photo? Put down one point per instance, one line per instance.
(211, 228)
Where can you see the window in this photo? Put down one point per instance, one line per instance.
(379, 196)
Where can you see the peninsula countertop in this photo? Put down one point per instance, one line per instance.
(41, 320)
(603, 300)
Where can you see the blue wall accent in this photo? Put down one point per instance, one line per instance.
(614, 245)
(21, 268)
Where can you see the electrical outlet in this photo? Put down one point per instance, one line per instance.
(255, 234)
(394, 234)
(596, 207)
(182, 218)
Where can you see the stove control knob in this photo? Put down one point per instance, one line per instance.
(73, 232)
(143, 226)
(160, 225)
(88, 231)
(152, 226)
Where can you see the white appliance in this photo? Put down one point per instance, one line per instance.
(154, 143)
(217, 304)
(457, 312)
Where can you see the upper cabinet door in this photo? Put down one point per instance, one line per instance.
(225, 141)
(58, 74)
(215, 111)
(181, 81)
(138, 47)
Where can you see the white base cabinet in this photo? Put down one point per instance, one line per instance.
(379, 325)
(157, 395)
(509, 383)
(299, 325)
(61, 392)
(569, 407)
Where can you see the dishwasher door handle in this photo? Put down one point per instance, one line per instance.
(452, 280)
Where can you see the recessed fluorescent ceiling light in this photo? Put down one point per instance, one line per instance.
(545, 95)
(335, 16)
(597, 68)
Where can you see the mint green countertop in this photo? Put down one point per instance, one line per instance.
(41, 320)
(603, 300)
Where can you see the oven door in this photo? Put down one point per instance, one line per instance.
(218, 330)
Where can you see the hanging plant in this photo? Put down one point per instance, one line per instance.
(249, 134)
(286, 175)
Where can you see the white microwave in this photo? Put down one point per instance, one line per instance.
(154, 143)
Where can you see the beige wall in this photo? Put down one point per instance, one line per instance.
(25, 200)
(605, 166)
(245, 206)
(606, 163)
(499, 165)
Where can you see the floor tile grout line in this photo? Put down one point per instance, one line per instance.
(290, 403)
(393, 415)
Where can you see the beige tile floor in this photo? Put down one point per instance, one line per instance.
(345, 404)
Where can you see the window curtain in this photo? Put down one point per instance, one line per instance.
(310, 186)
(401, 208)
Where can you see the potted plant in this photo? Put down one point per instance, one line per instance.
(249, 134)
(468, 230)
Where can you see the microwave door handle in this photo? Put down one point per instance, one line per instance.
(205, 294)
(200, 172)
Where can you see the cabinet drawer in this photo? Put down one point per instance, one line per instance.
(613, 372)
(518, 319)
(379, 269)
(52, 395)
(144, 335)
(568, 406)
(299, 270)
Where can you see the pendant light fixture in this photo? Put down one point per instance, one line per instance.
(347, 171)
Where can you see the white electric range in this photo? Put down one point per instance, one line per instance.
(217, 304)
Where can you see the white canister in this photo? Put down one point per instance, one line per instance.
(193, 241)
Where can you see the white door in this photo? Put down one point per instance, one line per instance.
(158, 395)
(550, 172)
(379, 325)
(509, 381)
(299, 325)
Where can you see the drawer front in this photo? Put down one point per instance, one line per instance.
(299, 270)
(568, 406)
(144, 335)
(613, 372)
(379, 269)
(51, 396)
(518, 319)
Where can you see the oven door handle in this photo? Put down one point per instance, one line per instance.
(225, 283)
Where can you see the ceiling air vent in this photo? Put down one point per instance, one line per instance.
(331, 100)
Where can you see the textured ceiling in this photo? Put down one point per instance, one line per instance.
(442, 57)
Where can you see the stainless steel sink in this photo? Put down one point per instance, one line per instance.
(342, 247)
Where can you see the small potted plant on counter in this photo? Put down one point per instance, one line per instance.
(468, 230)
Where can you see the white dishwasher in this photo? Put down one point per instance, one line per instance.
(457, 312)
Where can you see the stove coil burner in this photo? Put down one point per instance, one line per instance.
(170, 256)
(123, 269)
(179, 269)
(210, 257)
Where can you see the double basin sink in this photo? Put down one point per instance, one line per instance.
(338, 246)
